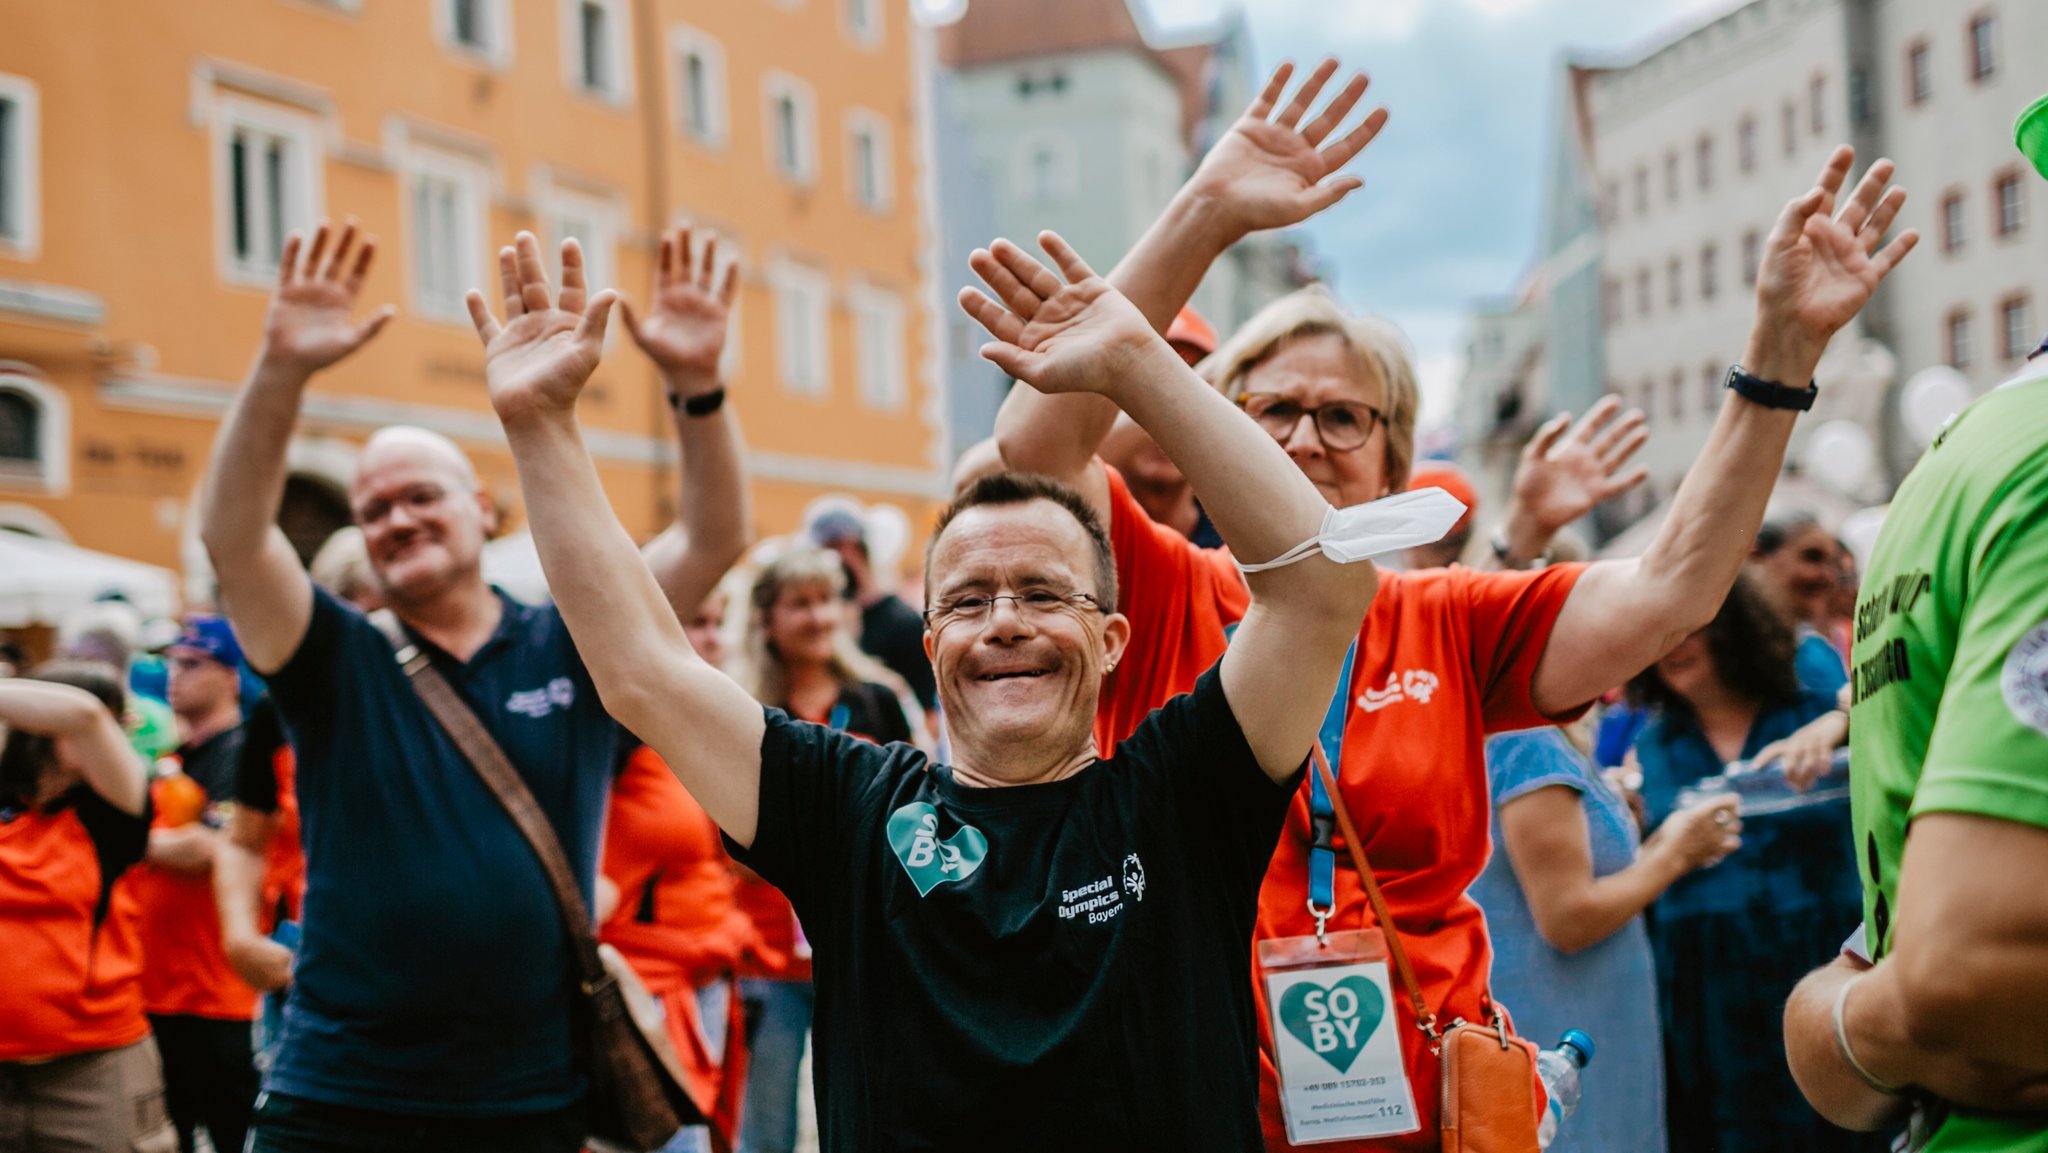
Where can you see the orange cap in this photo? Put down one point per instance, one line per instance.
(1450, 478)
(1191, 331)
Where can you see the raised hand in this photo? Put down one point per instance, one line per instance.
(539, 360)
(1565, 475)
(1820, 266)
(685, 330)
(311, 322)
(1075, 336)
(1270, 171)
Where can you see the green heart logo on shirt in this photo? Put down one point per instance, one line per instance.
(931, 862)
(1334, 1022)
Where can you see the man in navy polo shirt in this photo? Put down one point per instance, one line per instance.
(431, 1001)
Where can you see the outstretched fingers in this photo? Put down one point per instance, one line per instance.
(1347, 98)
(1262, 105)
(709, 264)
(1888, 257)
(533, 273)
(315, 253)
(596, 316)
(1026, 268)
(1833, 175)
(1615, 454)
(361, 270)
(1863, 202)
(1881, 218)
(1004, 283)
(1340, 152)
(574, 291)
(1306, 94)
(288, 260)
(508, 283)
(336, 264)
(487, 326)
(1070, 263)
(1001, 323)
(1596, 418)
(1546, 437)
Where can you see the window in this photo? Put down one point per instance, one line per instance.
(1671, 176)
(1817, 105)
(863, 21)
(792, 127)
(1788, 123)
(1642, 183)
(700, 86)
(1674, 282)
(267, 176)
(1676, 397)
(1984, 47)
(1711, 378)
(1046, 163)
(878, 347)
(35, 435)
(2008, 204)
(1919, 73)
(1703, 154)
(2016, 328)
(1745, 144)
(594, 44)
(1610, 300)
(20, 159)
(481, 28)
(870, 168)
(1958, 336)
(1710, 271)
(1752, 256)
(802, 328)
(1642, 292)
(594, 222)
(1952, 223)
(1610, 202)
(1859, 98)
(445, 222)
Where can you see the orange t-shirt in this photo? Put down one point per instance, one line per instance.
(284, 860)
(1444, 657)
(678, 921)
(67, 985)
(185, 972)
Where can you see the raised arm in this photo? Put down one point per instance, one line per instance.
(537, 362)
(1082, 335)
(310, 325)
(1267, 172)
(92, 735)
(684, 334)
(238, 894)
(1566, 471)
(1819, 269)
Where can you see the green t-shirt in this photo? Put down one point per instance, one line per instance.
(1949, 673)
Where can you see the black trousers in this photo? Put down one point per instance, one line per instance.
(296, 1125)
(209, 1078)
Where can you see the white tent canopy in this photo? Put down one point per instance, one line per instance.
(43, 580)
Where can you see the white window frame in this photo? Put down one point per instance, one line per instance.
(2015, 340)
(683, 43)
(862, 21)
(803, 315)
(775, 86)
(302, 198)
(52, 472)
(496, 22)
(1061, 149)
(601, 217)
(881, 365)
(25, 240)
(472, 200)
(862, 122)
(618, 53)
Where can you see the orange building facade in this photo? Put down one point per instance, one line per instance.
(152, 156)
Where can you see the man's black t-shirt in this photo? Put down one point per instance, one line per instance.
(212, 762)
(256, 769)
(1057, 966)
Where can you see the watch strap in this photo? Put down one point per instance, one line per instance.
(1757, 390)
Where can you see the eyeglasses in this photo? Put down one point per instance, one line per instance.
(1342, 425)
(976, 608)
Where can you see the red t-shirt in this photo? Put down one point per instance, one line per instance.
(678, 920)
(1444, 657)
(67, 984)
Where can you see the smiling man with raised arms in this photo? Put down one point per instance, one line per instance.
(1033, 947)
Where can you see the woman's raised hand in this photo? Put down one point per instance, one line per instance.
(540, 358)
(1270, 171)
(1080, 335)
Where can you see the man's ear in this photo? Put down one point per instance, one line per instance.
(1116, 639)
(929, 640)
(488, 507)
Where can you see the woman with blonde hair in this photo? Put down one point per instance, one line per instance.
(797, 653)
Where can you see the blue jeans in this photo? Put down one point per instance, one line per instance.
(779, 1018)
(295, 1125)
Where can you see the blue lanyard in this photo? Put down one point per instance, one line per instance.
(838, 717)
(1322, 816)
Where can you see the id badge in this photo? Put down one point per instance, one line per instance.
(1331, 1008)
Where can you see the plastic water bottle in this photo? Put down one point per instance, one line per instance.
(1763, 790)
(1559, 1069)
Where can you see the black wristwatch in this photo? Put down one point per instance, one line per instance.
(702, 404)
(1757, 390)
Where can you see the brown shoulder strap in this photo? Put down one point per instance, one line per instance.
(484, 755)
(1356, 848)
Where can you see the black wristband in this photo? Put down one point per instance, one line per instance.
(702, 404)
(1759, 391)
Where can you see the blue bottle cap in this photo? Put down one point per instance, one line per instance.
(1578, 1040)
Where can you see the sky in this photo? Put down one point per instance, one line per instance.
(1450, 208)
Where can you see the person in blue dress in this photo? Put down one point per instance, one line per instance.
(1730, 942)
(1564, 901)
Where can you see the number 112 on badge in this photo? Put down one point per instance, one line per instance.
(1330, 1005)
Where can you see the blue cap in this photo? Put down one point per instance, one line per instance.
(835, 525)
(1575, 1039)
(211, 637)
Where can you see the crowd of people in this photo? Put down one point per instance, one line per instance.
(1182, 765)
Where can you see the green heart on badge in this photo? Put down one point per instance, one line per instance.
(931, 862)
(1334, 1022)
